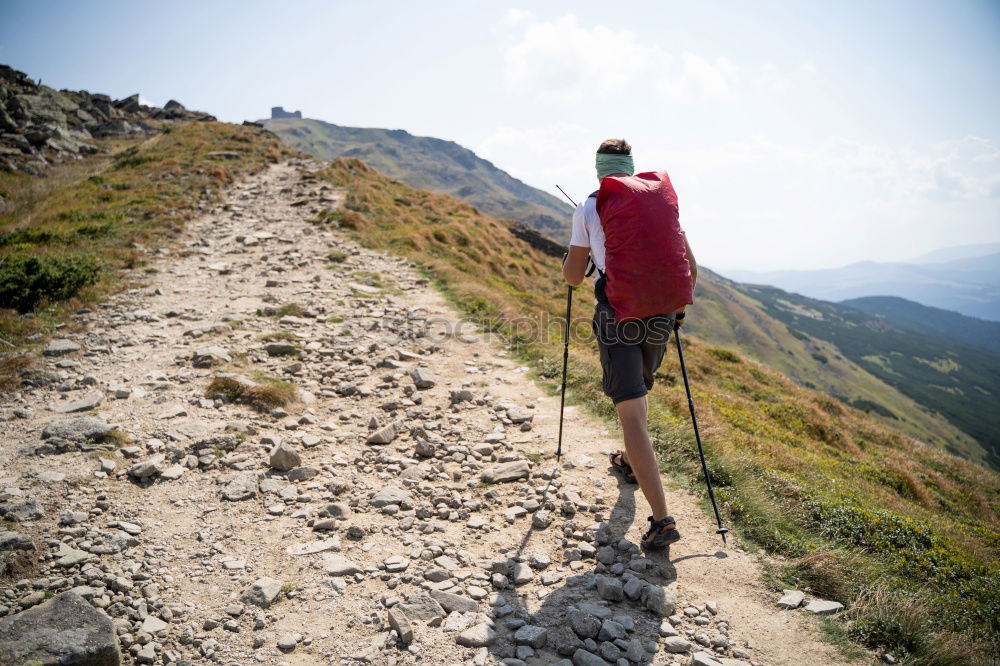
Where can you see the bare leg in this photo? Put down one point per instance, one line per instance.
(639, 454)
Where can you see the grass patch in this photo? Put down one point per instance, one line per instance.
(117, 438)
(337, 257)
(284, 310)
(11, 367)
(289, 310)
(265, 393)
(279, 336)
(533, 457)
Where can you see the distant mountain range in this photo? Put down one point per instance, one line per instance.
(964, 279)
(945, 325)
(432, 164)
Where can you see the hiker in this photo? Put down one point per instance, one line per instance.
(646, 274)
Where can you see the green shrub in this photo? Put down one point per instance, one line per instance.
(24, 281)
(724, 355)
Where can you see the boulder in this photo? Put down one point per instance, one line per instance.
(206, 357)
(659, 600)
(63, 631)
(76, 429)
(791, 599)
(241, 487)
(821, 607)
(284, 458)
(29, 510)
(383, 435)
(610, 588)
(704, 659)
(84, 404)
(401, 623)
(337, 565)
(481, 635)
(586, 658)
(676, 645)
(504, 472)
(454, 603)
(531, 635)
(423, 378)
(15, 541)
(263, 592)
(147, 468)
(423, 608)
(390, 495)
(60, 348)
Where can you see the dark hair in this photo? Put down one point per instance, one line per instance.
(615, 147)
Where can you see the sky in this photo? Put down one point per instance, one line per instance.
(797, 134)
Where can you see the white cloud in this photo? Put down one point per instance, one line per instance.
(758, 203)
(564, 61)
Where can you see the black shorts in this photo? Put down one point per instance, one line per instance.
(630, 352)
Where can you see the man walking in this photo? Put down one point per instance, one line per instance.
(631, 231)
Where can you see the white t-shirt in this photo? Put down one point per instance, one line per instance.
(588, 232)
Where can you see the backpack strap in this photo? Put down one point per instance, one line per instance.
(591, 266)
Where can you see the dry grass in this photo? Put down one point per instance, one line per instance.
(263, 393)
(884, 616)
(11, 367)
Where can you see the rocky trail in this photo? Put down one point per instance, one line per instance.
(406, 508)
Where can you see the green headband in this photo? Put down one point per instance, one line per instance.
(608, 163)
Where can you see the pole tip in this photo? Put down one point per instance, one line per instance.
(722, 531)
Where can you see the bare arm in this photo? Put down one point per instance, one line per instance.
(576, 264)
(694, 271)
(690, 258)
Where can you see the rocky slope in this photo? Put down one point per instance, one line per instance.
(403, 508)
(40, 125)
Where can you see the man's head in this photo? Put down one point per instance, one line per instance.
(614, 158)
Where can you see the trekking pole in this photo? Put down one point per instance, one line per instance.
(701, 453)
(569, 309)
(562, 396)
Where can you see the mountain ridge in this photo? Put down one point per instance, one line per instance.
(980, 333)
(438, 165)
(967, 285)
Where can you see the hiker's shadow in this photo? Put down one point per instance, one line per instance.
(609, 618)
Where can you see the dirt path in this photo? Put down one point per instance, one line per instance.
(513, 564)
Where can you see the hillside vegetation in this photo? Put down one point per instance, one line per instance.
(729, 317)
(944, 325)
(958, 381)
(904, 533)
(62, 237)
(432, 164)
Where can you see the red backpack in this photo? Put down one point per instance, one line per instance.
(646, 268)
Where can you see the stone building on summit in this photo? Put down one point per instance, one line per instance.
(279, 112)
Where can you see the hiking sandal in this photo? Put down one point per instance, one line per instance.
(619, 464)
(661, 533)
